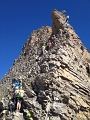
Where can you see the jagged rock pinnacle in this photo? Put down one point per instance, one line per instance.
(57, 85)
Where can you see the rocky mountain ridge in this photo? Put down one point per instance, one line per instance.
(57, 85)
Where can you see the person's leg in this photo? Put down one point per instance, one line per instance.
(19, 106)
(13, 108)
(10, 108)
(20, 101)
(11, 111)
(43, 50)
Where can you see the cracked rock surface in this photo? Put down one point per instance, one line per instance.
(58, 84)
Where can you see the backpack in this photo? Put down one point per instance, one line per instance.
(21, 93)
(17, 93)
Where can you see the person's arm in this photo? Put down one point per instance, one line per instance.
(13, 84)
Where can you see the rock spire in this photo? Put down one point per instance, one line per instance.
(57, 84)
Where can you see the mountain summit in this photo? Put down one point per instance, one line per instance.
(54, 67)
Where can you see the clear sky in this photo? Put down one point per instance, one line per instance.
(18, 18)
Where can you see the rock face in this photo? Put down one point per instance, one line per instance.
(57, 85)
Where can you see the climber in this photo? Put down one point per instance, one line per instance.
(67, 25)
(53, 37)
(19, 93)
(43, 48)
(64, 12)
(67, 18)
(11, 106)
(16, 96)
(49, 44)
(37, 58)
(65, 30)
(28, 115)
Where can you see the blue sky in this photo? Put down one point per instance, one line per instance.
(18, 18)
